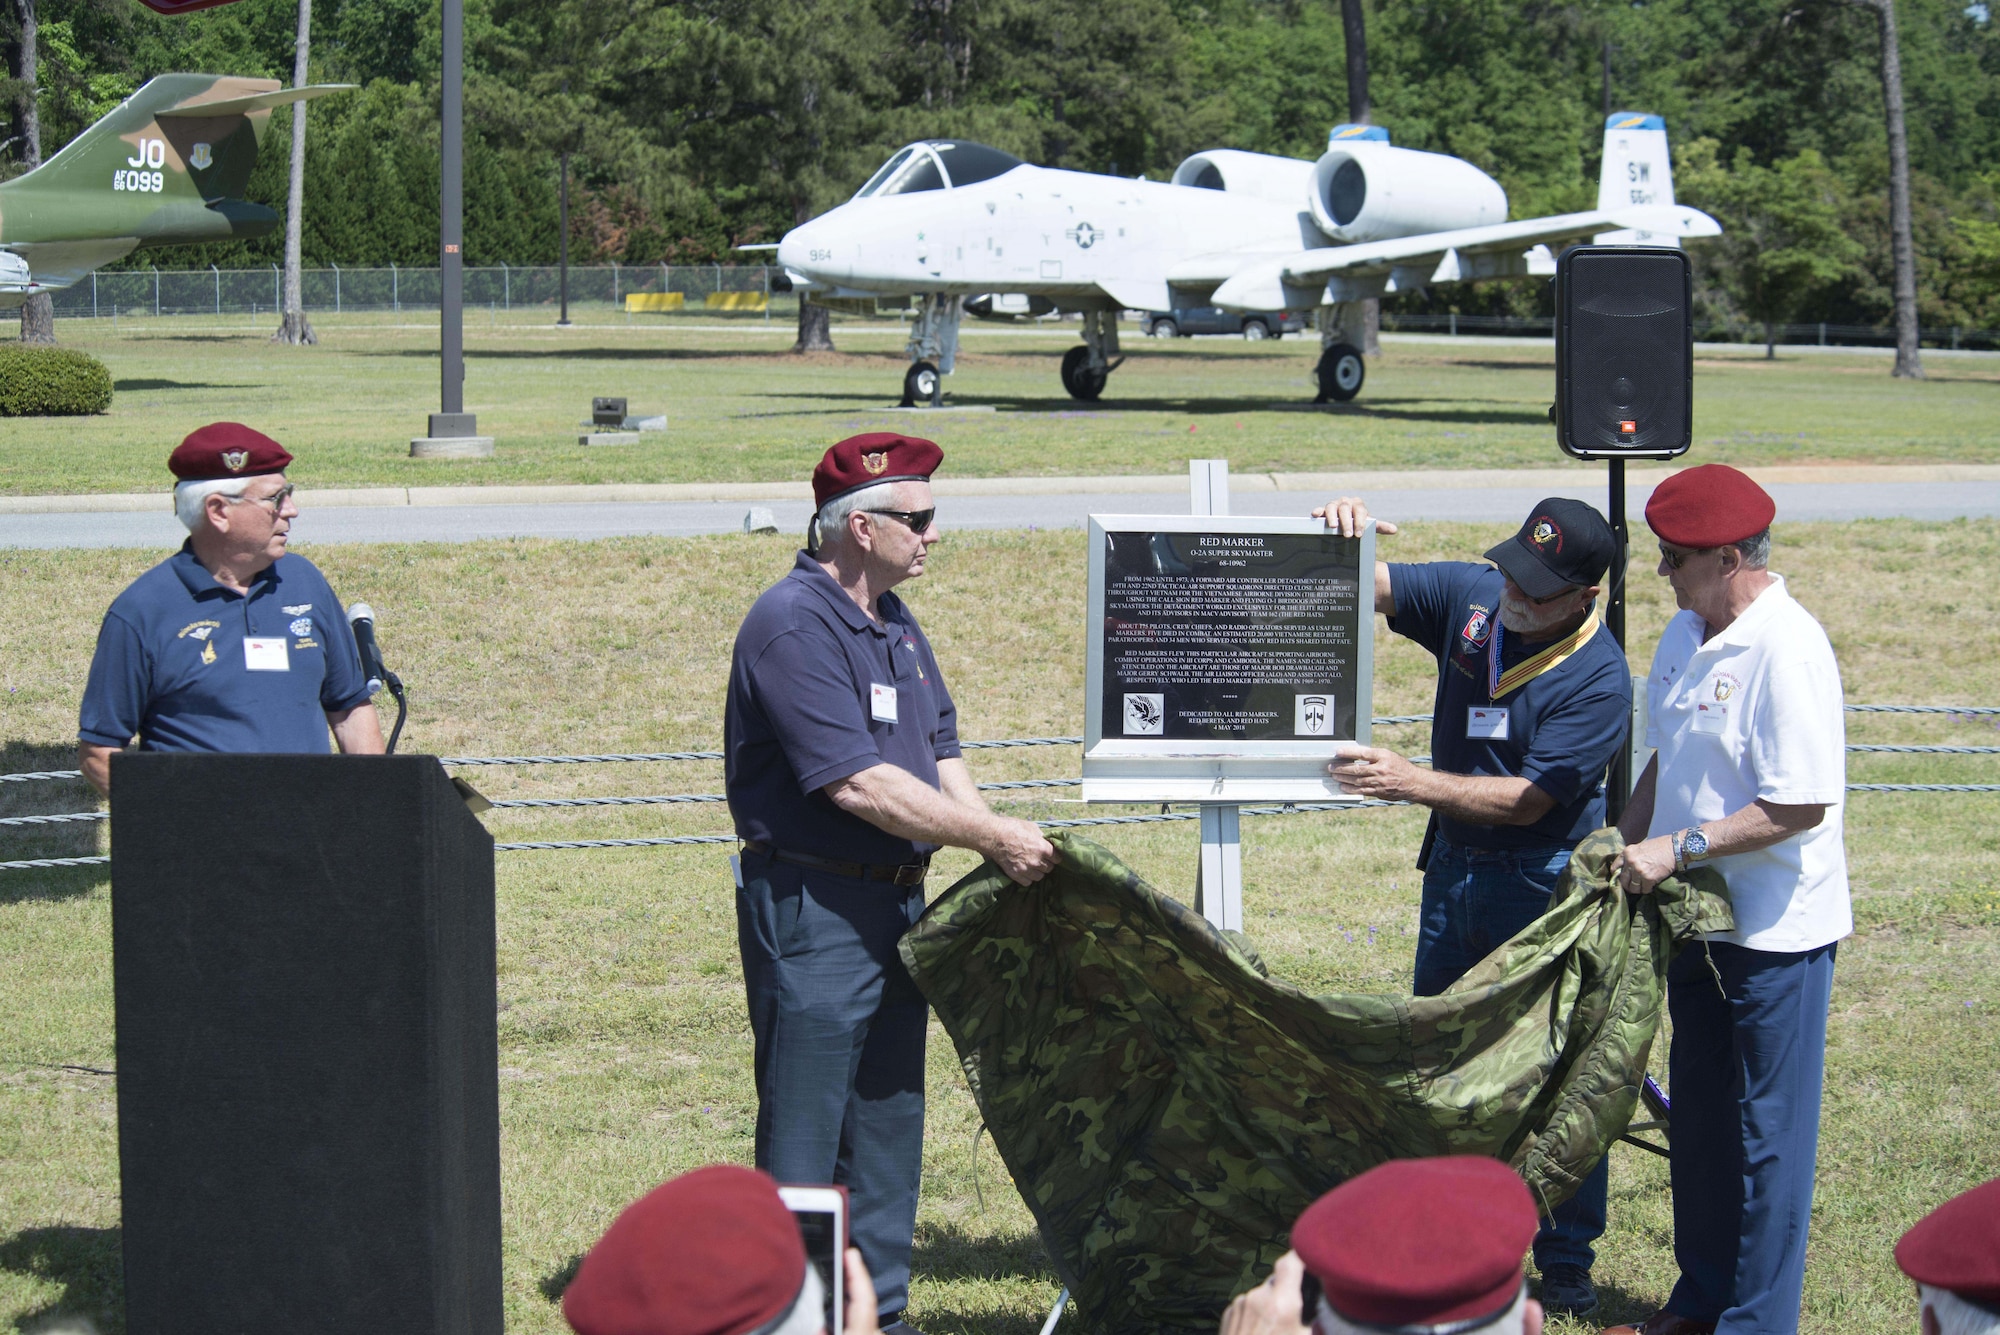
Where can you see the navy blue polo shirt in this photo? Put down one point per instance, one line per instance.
(173, 666)
(803, 712)
(1562, 727)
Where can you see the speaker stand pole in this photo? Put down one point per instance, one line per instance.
(1618, 782)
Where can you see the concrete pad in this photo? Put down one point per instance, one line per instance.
(451, 447)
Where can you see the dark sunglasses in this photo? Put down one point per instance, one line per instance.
(1675, 560)
(916, 520)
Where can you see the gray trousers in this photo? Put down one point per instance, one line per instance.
(839, 1032)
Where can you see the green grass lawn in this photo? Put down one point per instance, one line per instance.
(624, 1047)
(744, 408)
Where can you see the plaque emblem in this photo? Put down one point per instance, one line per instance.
(1313, 716)
(876, 463)
(200, 158)
(234, 460)
(1145, 715)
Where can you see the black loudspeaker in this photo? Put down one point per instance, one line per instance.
(308, 1066)
(1624, 353)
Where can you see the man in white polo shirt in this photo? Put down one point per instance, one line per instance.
(1749, 776)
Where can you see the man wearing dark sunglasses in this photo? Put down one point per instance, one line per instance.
(232, 644)
(1533, 699)
(844, 775)
(1745, 710)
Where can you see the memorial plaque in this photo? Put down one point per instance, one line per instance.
(1228, 657)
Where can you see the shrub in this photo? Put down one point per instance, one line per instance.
(51, 382)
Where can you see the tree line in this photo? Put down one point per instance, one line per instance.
(694, 126)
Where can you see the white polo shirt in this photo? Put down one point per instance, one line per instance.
(1756, 713)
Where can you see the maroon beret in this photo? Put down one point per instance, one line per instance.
(713, 1252)
(227, 449)
(1957, 1246)
(878, 456)
(1420, 1241)
(1710, 506)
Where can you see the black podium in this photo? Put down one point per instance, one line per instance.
(308, 1083)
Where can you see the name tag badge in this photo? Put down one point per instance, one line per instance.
(881, 702)
(266, 653)
(1488, 724)
(1711, 719)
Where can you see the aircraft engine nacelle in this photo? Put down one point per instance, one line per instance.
(1259, 175)
(1370, 192)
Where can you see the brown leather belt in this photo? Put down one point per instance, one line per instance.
(907, 873)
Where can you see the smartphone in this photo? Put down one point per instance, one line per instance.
(822, 1216)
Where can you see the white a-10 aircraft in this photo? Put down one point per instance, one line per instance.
(959, 225)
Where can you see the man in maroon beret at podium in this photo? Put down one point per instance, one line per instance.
(231, 644)
(1414, 1246)
(1749, 776)
(844, 774)
(1953, 1254)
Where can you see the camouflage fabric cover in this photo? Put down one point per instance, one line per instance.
(1167, 1110)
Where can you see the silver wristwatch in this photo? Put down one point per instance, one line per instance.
(1690, 846)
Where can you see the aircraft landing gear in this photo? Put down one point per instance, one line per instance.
(923, 384)
(1340, 372)
(1086, 369)
(932, 349)
(1079, 378)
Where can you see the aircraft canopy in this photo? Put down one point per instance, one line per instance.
(937, 164)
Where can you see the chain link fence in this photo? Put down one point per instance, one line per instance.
(1821, 334)
(108, 294)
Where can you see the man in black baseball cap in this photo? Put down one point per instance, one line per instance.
(1533, 699)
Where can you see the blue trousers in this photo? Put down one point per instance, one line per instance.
(1749, 1058)
(1475, 899)
(839, 1031)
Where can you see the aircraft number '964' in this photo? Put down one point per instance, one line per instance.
(152, 154)
(822, 255)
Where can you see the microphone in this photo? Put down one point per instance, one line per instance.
(362, 618)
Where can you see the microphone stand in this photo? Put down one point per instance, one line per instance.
(394, 685)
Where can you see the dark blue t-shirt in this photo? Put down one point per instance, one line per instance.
(172, 668)
(1563, 727)
(803, 712)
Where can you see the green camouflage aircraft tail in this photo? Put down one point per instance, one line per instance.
(168, 167)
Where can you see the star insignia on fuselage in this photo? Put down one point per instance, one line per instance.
(1084, 235)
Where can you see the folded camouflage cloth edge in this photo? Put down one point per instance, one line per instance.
(1166, 1110)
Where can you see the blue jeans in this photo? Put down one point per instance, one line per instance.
(1476, 899)
(1748, 1060)
(839, 1029)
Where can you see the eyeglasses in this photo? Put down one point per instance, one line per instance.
(1676, 559)
(916, 520)
(276, 500)
(1543, 602)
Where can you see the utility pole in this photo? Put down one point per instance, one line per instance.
(453, 431)
(38, 312)
(562, 243)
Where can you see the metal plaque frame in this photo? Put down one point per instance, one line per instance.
(1136, 769)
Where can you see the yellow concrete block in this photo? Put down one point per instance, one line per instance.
(738, 301)
(644, 302)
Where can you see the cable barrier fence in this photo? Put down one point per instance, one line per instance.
(1012, 787)
(716, 289)
(1814, 334)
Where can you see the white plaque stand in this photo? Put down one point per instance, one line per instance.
(1218, 880)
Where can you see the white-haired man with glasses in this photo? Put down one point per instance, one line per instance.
(1750, 774)
(844, 774)
(231, 644)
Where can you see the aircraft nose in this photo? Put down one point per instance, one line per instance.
(817, 248)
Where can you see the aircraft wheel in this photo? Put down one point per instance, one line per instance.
(1256, 330)
(1078, 378)
(920, 384)
(1340, 373)
(1165, 329)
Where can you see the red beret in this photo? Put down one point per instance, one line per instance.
(713, 1252)
(1710, 506)
(1957, 1246)
(878, 456)
(1420, 1241)
(226, 449)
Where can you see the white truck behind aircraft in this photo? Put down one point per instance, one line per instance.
(944, 220)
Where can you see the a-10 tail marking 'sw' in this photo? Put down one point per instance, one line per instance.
(168, 167)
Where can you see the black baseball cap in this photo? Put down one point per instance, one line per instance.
(1562, 544)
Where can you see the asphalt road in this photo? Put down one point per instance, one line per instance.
(606, 519)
